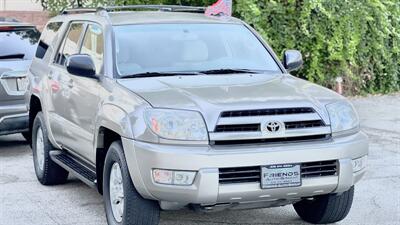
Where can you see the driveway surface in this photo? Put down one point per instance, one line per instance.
(23, 201)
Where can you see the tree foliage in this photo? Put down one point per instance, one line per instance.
(358, 40)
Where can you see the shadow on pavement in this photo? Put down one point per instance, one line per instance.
(13, 145)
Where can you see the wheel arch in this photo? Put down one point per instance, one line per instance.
(114, 124)
(105, 137)
(35, 106)
(108, 130)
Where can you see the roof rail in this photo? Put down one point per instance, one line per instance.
(165, 8)
(78, 10)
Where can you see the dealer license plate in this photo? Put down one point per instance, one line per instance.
(279, 176)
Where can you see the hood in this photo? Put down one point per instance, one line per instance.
(217, 93)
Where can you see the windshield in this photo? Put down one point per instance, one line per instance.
(189, 48)
(18, 44)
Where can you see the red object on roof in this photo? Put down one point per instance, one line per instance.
(222, 7)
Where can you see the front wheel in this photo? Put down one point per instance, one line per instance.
(325, 209)
(123, 204)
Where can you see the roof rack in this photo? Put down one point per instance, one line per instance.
(78, 10)
(167, 8)
(164, 8)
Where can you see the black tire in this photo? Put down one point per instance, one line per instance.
(50, 173)
(136, 210)
(325, 209)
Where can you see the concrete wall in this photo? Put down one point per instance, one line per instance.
(17, 5)
(28, 11)
(38, 18)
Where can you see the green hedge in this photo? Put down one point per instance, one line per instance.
(358, 40)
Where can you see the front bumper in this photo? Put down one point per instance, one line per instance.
(206, 160)
(13, 119)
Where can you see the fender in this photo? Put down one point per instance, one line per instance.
(114, 118)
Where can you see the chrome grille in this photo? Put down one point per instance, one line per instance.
(249, 126)
(252, 174)
(257, 127)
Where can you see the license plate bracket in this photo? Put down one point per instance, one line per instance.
(280, 176)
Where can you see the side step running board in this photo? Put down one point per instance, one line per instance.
(77, 167)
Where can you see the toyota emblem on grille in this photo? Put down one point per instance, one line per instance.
(273, 127)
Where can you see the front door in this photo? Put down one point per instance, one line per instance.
(84, 100)
(58, 82)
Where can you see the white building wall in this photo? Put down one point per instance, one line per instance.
(20, 5)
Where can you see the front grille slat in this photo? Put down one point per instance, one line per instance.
(318, 172)
(319, 166)
(240, 178)
(253, 174)
(273, 140)
(267, 112)
(238, 128)
(239, 172)
(304, 124)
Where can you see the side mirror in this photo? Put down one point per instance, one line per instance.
(81, 65)
(292, 60)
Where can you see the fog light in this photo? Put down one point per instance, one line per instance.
(173, 177)
(359, 164)
(162, 176)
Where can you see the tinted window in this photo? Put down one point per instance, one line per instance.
(70, 45)
(18, 43)
(189, 47)
(47, 38)
(93, 45)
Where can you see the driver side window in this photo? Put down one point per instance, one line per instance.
(93, 45)
(71, 43)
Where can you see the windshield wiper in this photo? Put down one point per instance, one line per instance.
(161, 74)
(229, 71)
(13, 56)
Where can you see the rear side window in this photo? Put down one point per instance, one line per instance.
(93, 45)
(47, 38)
(18, 42)
(71, 43)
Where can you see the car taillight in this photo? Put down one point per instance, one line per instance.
(6, 28)
(11, 28)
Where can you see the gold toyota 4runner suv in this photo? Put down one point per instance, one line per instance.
(162, 107)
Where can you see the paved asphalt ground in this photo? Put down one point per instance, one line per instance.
(23, 201)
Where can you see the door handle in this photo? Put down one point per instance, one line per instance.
(70, 84)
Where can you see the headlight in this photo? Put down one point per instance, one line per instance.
(176, 124)
(343, 116)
